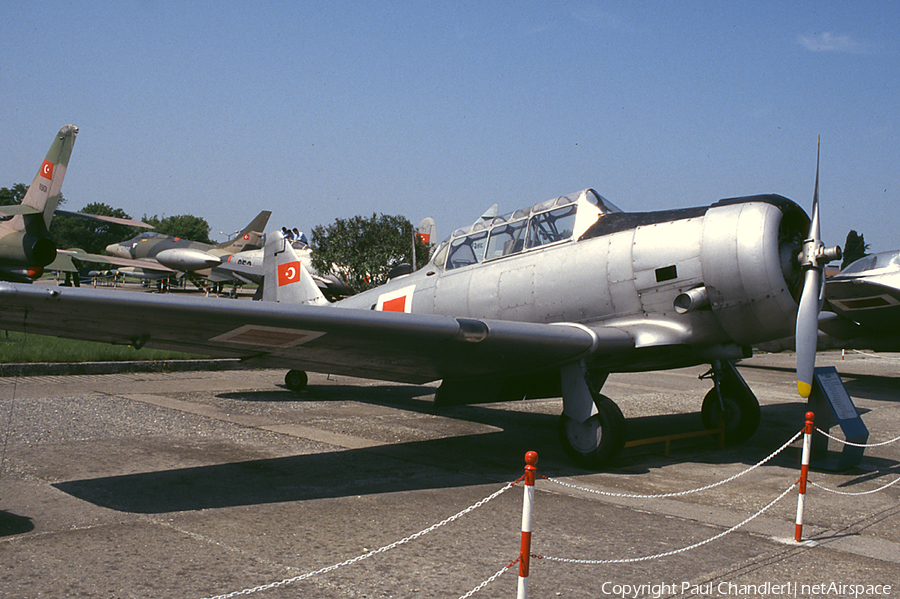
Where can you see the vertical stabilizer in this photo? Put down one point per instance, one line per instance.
(286, 279)
(44, 192)
(250, 238)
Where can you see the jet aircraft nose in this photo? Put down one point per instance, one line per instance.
(117, 249)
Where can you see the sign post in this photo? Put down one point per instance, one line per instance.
(832, 405)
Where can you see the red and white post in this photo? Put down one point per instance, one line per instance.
(804, 471)
(531, 459)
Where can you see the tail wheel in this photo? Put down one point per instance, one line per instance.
(595, 442)
(296, 380)
(741, 413)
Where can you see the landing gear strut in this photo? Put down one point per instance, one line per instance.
(296, 380)
(732, 400)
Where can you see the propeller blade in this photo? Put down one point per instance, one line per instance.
(807, 330)
(810, 304)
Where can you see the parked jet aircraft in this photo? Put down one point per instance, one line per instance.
(542, 302)
(184, 255)
(25, 244)
(247, 266)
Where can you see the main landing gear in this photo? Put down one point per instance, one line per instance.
(592, 427)
(730, 400)
(296, 380)
(596, 441)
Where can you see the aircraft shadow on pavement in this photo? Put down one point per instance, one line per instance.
(372, 394)
(457, 461)
(433, 464)
(12, 524)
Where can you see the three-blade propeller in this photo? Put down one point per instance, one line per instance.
(813, 258)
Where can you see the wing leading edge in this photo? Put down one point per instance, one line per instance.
(401, 347)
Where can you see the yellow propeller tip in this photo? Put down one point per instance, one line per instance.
(804, 388)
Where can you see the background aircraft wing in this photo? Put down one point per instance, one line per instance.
(106, 219)
(83, 256)
(383, 345)
(872, 303)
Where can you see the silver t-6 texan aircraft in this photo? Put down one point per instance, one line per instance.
(545, 301)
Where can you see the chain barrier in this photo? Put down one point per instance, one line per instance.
(593, 562)
(489, 580)
(851, 444)
(364, 556)
(496, 494)
(836, 492)
(678, 493)
(872, 355)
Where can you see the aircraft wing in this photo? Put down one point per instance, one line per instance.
(392, 346)
(78, 254)
(873, 302)
(106, 219)
(15, 209)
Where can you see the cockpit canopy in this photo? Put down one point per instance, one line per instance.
(553, 221)
(145, 236)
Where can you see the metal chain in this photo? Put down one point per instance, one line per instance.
(872, 355)
(489, 581)
(845, 442)
(359, 558)
(895, 481)
(593, 562)
(679, 493)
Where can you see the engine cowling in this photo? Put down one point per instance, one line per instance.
(750, 268)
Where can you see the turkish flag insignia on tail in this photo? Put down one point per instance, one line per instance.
(47, 170)
(289, 273)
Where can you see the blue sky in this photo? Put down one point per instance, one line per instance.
(332, 109)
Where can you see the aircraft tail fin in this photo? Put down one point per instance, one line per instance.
(44, 194)
(426, 230)
(250, 237)
(286, 278)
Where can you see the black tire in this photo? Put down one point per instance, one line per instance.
(596, 442)
(741, 412)
(296, 380)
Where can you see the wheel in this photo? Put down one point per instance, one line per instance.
(593, 443)
(296, 380)
(741, 412)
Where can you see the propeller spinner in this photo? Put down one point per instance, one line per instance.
(813, 258)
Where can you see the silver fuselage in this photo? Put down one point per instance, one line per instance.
(727, 266)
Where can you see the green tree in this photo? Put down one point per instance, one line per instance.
(362, 251)
(91, 236)
(185, 226)
(855, 247)
(12, 195)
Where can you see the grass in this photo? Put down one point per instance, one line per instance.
(20, 347)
